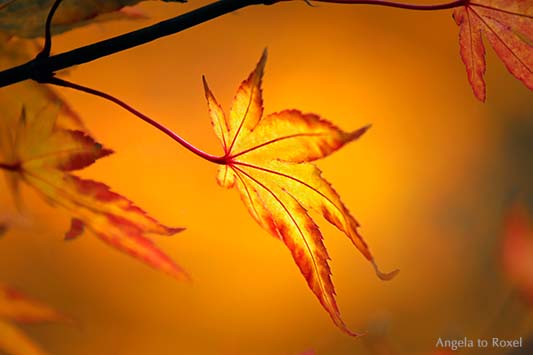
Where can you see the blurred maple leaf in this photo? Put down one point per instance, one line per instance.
(508, 26)
(33, 96)
(14, 306)
(517, 250)
(26, 18)
(36, 151)
(267, 158)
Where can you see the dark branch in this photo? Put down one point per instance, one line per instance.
(46, 66)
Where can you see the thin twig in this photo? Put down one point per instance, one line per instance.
(45, 67)
(150, 121)
(398, 5)
(45, 53)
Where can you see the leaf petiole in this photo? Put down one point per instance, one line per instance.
(212, 158)
(399, 5)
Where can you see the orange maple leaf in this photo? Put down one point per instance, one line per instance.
(517, 250)
(508, 26)
(14, 306)
(41, 154)
(268, 159)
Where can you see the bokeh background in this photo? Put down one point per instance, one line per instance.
(430, 184)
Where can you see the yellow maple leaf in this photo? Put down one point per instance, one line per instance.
(268, 158)
(36, 151)
(16, 307)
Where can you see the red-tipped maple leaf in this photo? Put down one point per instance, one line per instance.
(36, 151)
(508, 26)
(16, 307)
(517, 250)
(268, 159)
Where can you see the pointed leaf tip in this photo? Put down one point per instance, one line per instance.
(358, 133)
(264, 55)
(351, 333)
(76, 229)
(260, 69)
(174, 230)
(385, 276)
(182, 275)
(204, 81)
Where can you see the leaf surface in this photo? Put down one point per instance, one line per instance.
(42, 155)
(16, 307)
(26, 18)
(268, 159)
(508, 27)
(14, 342)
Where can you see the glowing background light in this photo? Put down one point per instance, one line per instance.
(428, 183)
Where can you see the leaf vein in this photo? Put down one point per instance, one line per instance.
(306, 243)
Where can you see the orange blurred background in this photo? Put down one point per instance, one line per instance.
(429, 183)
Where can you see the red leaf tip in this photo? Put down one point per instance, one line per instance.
(176, 230)
(354, 334)
(76, 229)
(105, 151)
(358, 133)
(385, 276)
(181, 275)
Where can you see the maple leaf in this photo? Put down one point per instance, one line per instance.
(26, 18)
(14, 306)
(268, 159)
(42, 155)
(517, 250)
(508, 26)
